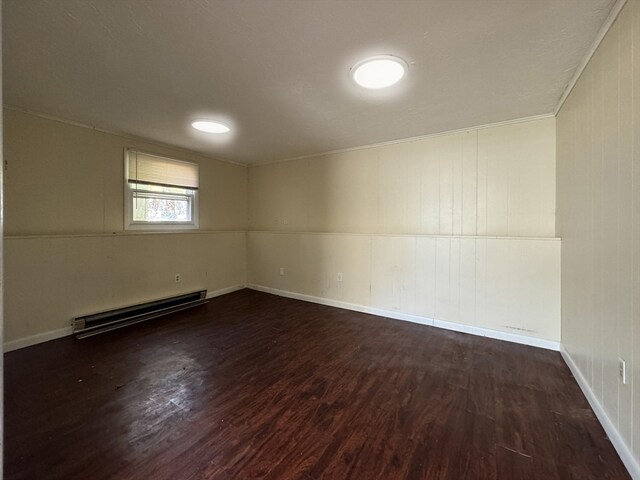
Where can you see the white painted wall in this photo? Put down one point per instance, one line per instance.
(456, 228)
(598, 136)
(445, 223)
(52, 279)
(65, 179)
(66, 252)
(492, 181)
(508, 285)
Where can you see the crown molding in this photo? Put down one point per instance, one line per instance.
(606, 26)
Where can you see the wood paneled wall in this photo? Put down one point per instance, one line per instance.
(509, 285)
(66, 253)
(456, 228)
(599, 221)
(493, 181)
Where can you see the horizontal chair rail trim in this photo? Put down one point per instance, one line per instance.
(421, 235)
(129, 233)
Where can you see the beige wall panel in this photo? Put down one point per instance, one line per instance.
(468, 282)
(635, 366)
(454, 280)
(351, 203)
(65, 179)
(426, 276)
(609, 175)
(635, 371)
(517, 165)
(538, 277)
(316, 276)
(497, 181)
(223, 195)
(50, 280)
(599, 235)
(469, 184)
(481, 282)
(222, 259)
(625, 215)
(68, 181)
(513, 278)
(312, 209)
(262, 182)
(493, 154)
(36, 289)
(89, 280)
(392, 189)
(147, 264)
(482, 177)
(311, 264)
(448, 152)
(267, 253)
(324, 256)
(443, 278)
(496, 311)
(393, 273)
(598, 189)
(458, 184)
(53, 186)
(351, 255)
(429, 173)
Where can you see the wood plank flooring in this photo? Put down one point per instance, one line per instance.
(254, 386)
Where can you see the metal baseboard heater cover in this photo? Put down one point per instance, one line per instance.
(89, 325)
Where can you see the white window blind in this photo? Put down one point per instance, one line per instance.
(148, 169)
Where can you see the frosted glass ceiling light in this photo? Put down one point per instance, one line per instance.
(209, 126)
(379, 72)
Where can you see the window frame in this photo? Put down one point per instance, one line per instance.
(130, 192)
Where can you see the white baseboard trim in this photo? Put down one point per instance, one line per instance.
(63, 332)
(224, 291)
(626, 455)
(498, 335)
(37, 338)
(347, 306)
(458, 327)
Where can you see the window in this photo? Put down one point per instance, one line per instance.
(160, 193)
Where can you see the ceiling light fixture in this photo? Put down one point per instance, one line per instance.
(209, 126)
(380, 71)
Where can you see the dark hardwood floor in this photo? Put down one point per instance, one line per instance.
(257, 386)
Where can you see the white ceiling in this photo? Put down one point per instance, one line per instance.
(278, 70)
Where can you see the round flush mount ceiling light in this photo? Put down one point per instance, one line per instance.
(380, 71)
(209, 126)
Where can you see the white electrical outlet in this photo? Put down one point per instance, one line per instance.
(281, 271)
(622, 370)
(177, 278)
(339, 276)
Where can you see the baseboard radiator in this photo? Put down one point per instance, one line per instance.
(89, 325)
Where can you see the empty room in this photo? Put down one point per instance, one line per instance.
(320, 239)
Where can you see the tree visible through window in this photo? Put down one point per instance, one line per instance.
(161, 204)
(160, 192)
